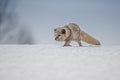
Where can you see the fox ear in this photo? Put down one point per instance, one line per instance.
(63, 31)
(54, 29)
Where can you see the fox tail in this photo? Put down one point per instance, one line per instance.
(89, 39)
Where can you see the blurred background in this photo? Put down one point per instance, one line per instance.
(33, 21)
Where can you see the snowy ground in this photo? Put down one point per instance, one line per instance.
(53, 62)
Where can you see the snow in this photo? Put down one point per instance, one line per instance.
(54, 62)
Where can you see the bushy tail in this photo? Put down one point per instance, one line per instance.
(89, 39)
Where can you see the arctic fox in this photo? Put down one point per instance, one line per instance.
(72, 32)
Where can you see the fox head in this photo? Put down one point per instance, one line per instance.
(61, 33)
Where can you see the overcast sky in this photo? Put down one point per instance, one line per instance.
(100, 18)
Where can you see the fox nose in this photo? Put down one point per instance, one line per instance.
(56, 38)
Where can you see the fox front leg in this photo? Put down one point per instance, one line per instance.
(79, 43)
(67, 43)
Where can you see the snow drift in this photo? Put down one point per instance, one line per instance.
(53, 62)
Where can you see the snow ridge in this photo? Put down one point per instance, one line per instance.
(53, 62)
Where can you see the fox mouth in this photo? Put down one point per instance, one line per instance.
(57, 38)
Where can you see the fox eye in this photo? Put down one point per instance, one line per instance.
(63, 31)
(59, 35)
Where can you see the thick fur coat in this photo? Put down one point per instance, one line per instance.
(72, 32)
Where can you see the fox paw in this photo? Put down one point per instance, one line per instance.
(66, 45)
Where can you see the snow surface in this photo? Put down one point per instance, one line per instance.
(54, 62)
